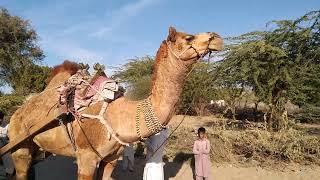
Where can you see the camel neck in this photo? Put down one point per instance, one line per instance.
(168, 79)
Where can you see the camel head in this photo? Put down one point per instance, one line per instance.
(187, 47)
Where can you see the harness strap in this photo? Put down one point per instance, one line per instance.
(111, 133)
(72, 141)
(100, 117)
(178, 56)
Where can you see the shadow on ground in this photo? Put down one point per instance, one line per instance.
(64, 168)
(54, 168)
(171, 168)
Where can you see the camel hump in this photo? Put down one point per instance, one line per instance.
(67, 66)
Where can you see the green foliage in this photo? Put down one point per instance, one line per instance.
(278, 65)
(231, 83)
(140, 89)
(31, 79)
(135, 69)
(7, 102)
(258, 64)
(18, 49)
(262, 67)
(301, 39)
(199, 89)
(309, 114)
(137, 74)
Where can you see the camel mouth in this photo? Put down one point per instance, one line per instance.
(216, 44)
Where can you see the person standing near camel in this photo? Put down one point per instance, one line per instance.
(155, 147)
(201, 151)
(128, 158)
(6, 158)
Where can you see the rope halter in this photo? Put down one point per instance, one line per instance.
(190, 46)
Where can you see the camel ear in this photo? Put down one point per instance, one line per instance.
(172, 34)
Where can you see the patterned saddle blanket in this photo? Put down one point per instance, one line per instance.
(102, 89)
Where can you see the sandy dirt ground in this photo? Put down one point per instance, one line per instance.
(176, 171)
(63, 168)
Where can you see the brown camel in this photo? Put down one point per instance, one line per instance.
(174, 61)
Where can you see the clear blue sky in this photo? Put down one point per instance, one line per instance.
(112, 31)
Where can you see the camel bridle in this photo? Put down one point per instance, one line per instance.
(190, 46)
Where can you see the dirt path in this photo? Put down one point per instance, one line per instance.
(176, 171)
(229, 172)
(63, 169)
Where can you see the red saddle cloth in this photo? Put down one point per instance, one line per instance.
(84, 101)
(96, 86)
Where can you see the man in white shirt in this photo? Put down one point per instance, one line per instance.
(6, 158)
(155, 147)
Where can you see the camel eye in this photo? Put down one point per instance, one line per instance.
(189, 37)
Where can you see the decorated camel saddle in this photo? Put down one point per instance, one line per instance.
(82, 90)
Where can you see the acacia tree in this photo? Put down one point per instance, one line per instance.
(279, 65)
(136, 75)
(18, 51)
(31, 79)
(199, 89)
(300, 39)
(231, 89)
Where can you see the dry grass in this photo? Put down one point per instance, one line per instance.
(288, 146)
(243, 145)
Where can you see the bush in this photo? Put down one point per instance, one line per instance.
(308, 115)
(9, 102)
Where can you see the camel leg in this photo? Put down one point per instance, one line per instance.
(105, 169)
(87, 163)
(109, 163)
(22, 159)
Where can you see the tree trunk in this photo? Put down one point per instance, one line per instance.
(270, 119)
(233, 110)
(255, 111)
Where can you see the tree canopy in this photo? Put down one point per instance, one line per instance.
(19, 53)
(137, 75)
(280, 64)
